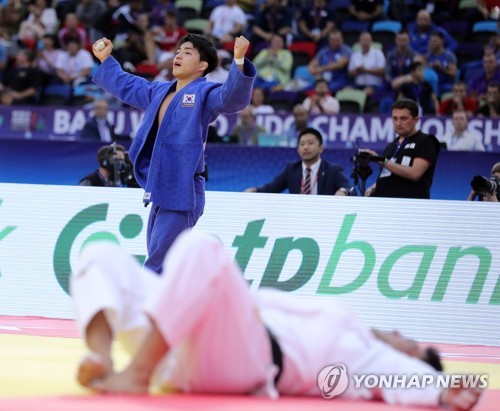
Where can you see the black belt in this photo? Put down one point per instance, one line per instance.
(277, 355)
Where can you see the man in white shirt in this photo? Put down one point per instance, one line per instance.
(321, 102)
(461, 139)
(226, 22)
(367, 65)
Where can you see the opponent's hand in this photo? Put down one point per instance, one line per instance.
(240, 47)
(105, 52)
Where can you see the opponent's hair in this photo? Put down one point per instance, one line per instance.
(433, 358)
(205, 48)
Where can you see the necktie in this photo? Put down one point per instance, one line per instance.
(307, 183)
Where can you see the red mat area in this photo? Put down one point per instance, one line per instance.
(180, 402)
(38, 326)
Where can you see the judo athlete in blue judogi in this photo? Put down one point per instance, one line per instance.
(167, 151)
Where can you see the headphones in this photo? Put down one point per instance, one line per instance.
(104, 155)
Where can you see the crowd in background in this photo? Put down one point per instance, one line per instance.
(313, 56)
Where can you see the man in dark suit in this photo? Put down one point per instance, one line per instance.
(98, 127)
(311, 175)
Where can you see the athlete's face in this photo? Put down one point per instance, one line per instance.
(187, 62)
(404, 123)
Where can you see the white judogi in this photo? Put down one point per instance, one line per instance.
(213, 325)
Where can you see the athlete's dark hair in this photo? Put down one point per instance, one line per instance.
(205, 47)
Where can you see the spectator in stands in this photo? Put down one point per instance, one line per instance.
(31, 30)
(420, 91)
(316, 23)
(11, 15)
(163, 40)
(274, 64)
(47, 56)
(48, 16)
(125, 21)
(247, 130)
(331, 62)
(105, 24)
(258, 102)
(484, 10)
(420, 34)
(321, 101)
(366, 10)
(458, 101)
(271, 20)
(21, 81)
(98, 127)
(220, 73)
(410, 160)
(160, 10)
(310, 175)
(430, 74)
(367, 65)
(88, 12)
(74, 64)
(491, 108)
(301, 121)
(460, 138)
(226, 22)
(490, 73)
(443, 61)
(135, 49)
(398, 62)
(72, 28)
(404, 10)
(4, 56)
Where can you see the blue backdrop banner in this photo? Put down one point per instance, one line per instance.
(230, 167)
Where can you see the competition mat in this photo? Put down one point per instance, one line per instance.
(38, 358)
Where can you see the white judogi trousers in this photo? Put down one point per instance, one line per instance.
(215, 329)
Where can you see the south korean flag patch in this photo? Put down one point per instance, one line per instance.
(188, 100)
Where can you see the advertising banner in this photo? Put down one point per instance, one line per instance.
(429, 269)
(339, 131)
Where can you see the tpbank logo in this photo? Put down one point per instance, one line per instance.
(130, 227)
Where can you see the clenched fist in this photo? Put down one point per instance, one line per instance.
(102, 53)
(240, 47)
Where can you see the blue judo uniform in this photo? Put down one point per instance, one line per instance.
(168, 159)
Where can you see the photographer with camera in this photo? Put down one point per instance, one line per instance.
(486, 189)
(408, 163)
(115, 169)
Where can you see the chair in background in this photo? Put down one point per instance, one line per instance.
(482, 31)
(468, 52)
(351, 100)
(458, 29)
(302, 52)
(283, 100)
(198, 26)
(187, 10)
(351, 29)
(384, 32)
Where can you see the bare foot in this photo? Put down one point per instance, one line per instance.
(460, 399)
(93, 367)
(125, 382)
